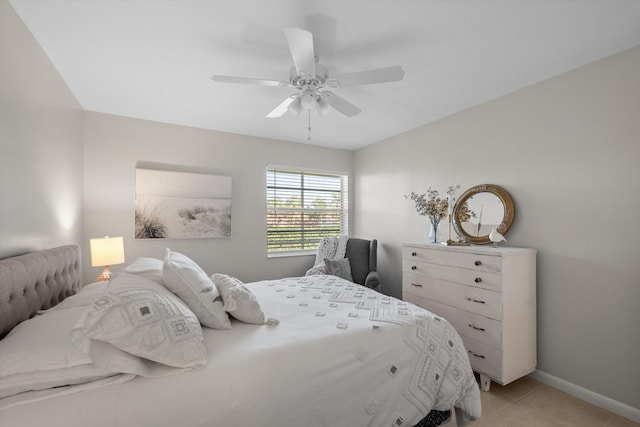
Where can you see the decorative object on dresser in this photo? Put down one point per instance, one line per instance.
(487, 294)
(479, 210)
(435, 207)
(496, 237)
(106, 252)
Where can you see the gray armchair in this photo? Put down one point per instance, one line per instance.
(363, 259)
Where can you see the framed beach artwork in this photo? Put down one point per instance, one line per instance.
(182, 205)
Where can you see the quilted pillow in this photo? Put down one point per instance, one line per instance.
(339, 267)
(151, 268)
(239, 301)
(141, 318)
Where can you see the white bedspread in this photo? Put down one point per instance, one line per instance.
(341, 355)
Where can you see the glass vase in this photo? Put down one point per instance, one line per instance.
(434, 231)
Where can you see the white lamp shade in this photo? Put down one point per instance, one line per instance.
(106, 251)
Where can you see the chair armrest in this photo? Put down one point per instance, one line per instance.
(373, 281)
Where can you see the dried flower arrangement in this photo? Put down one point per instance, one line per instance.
(432, 205)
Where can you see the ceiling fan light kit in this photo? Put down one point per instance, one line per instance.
(322, 106)
(312, 80)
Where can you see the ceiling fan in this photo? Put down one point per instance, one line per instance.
(313, 81)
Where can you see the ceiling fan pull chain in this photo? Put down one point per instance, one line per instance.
(309, 128)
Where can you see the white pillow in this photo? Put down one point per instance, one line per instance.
(38, 354)
(239, 301)
(83, 298)
(151, 268)
(142, 318)
(187, 280)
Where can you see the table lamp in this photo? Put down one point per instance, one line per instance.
(105, 252)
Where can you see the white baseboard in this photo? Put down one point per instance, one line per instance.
(592, 397)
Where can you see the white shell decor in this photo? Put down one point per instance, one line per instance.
(496, 237)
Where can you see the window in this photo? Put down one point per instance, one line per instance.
(302, 207)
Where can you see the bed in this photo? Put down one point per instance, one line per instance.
(322, 351)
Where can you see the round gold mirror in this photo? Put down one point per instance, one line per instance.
(481, 209)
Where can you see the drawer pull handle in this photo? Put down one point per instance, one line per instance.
(476, 300)
(414, 254)
(476, 328)
(478, 262)
(413, 267)
(478, 279)
(476, 355)
(417, 285)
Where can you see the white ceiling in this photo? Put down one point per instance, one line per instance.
(153, 59)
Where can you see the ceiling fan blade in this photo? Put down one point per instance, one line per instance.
(341, 104)
(379, 75)
(324, 32)
(250, 81)
(301, 47)
(280, 109)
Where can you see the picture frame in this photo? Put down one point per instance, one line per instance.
(181, 205)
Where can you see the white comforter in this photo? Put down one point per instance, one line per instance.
(341, 355)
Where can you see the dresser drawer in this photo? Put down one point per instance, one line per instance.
(484, 358)
(463, 276)
(468, 298)
(467, 324)
(469, 260)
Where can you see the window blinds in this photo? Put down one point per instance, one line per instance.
(303, 207)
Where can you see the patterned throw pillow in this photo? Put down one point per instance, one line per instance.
(239, 301)
(339, 267)
(188, 281)
(142, 318)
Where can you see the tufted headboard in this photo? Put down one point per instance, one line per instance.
(36, 281)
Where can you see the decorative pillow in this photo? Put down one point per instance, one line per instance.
(151, 268)
(339, 267)
(142, 318)
(239, 301)
(187, 280)
(38, 354)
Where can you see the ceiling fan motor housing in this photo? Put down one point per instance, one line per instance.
(299, 81)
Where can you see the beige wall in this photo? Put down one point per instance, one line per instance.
(567, 150)
(114, 145)
(40, 146)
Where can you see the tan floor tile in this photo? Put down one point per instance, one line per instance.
(499, 396)
(547, 407)
(621, 422)
(529, 403)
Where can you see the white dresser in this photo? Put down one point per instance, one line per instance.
(488, 294)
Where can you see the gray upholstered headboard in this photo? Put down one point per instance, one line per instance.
(36, 281)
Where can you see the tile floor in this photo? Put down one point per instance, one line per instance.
(529, 403)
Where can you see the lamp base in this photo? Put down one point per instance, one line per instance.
(105, 275)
